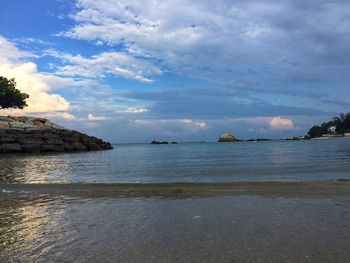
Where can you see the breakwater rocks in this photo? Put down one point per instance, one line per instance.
(36, 135)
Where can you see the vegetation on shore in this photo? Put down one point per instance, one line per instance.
(10, 96)
(337, 126)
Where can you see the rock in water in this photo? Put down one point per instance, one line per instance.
(36, 135)
(227, 137)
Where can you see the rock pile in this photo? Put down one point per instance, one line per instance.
(35, 135)
(227, 137)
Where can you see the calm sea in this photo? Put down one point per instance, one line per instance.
(313, 160)
(278, 201)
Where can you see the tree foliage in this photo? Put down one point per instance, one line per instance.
(10, 96)
(315, 131)
(341, 122)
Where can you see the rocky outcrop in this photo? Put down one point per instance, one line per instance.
(227, 137)
(159, 142)
(36, 135)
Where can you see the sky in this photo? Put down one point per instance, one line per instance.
(179, 70)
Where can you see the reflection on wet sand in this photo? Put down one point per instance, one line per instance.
(183, 190)
(55, 226)
(25, 221)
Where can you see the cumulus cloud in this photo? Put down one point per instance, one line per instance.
(280, 124)
(268, 124)
(13, 64)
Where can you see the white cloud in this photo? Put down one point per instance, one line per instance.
(247, 45)
(106, 63)
(30, 40)
(96, 118)
(10, 54)
(29, 80)
(267, 124)
(136, 110)
(281, 124)
(173, 126)
(195, 124)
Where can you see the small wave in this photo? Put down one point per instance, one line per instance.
(6, 191)
(184, 190)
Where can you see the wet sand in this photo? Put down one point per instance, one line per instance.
(182, 190)
(238, 222)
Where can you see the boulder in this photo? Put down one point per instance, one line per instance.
(78, 146)
(31, 148)
(4, 124)
(94, 147)
(227, 137)
(51, 148)
(7, 138)
(68, 147)
(106, 146)
(10, 148)
(55, 141)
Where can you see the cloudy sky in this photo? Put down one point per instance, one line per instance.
(133, 71)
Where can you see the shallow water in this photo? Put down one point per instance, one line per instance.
(241, 202)
(217, 229)
(314, 160)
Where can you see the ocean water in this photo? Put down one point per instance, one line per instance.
(279, 201)
(313, 160)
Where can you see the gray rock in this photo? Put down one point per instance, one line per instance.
(94, 147)
(4, 124)
(10, 148)
(106, 146)
(71, 139)
(20, 125)
(50, 135)
(7, 138)
(51, 148)
(68, 147)
(29, 140)
(31, 148)
(56, 141)
(78, 146)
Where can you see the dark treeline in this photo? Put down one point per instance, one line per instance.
(341, 124)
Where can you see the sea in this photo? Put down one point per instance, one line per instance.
(273, 201)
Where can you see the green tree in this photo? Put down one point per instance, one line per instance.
(340, 122)
(347, 122)
(10, 96)
(315, 131)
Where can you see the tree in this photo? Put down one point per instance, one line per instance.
(10, 96)
(315, 131)
(347, 122)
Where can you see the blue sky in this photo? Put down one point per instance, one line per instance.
(134, 71)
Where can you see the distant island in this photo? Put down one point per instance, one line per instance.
(339, 126)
